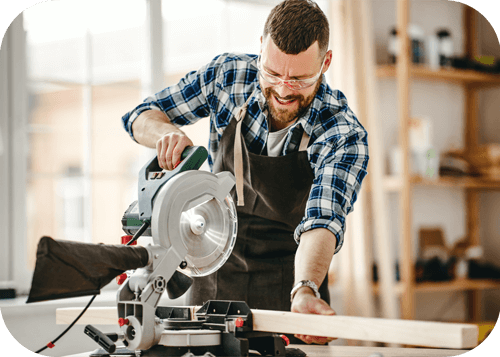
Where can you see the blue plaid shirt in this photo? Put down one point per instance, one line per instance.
(338, 154)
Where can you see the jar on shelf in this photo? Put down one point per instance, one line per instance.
(445, 47)
(417, 38)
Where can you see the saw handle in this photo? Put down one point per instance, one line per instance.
(152, 177)
(188, 150)
(106, 341)
(191, 159)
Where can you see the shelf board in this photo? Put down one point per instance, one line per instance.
(454, 75)
(444, 286)
(458, 285)
(394, 183)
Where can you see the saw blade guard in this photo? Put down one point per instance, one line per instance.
(195, 214)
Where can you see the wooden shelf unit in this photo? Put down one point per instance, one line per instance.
(446, 286)
(395, 183)
(471, 81)
(458, 285)
(423, 72)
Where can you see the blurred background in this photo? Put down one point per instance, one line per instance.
(423, 240)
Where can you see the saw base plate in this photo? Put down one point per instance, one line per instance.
(162, 351)
(218, 328)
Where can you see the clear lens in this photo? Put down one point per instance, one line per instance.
(293, 84)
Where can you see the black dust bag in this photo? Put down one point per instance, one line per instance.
(67, 269)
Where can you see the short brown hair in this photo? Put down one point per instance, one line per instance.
(294, 25)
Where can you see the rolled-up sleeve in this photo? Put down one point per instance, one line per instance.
(340, 165)
(185, 102)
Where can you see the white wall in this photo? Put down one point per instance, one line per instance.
(490, 201)
(5, 269)
(34, 325)
(443, 104)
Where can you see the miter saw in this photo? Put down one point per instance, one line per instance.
(192, 220)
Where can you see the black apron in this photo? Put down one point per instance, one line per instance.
(260, 270)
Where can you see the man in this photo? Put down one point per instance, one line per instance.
(294, 145)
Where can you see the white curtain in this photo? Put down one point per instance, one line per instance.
(353, 72)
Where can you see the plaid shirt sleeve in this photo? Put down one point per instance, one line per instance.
(339, 158)
(185, 102)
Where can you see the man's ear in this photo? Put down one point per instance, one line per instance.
(328, 60)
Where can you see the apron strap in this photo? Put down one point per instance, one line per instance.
(238, 155)
(304, 141)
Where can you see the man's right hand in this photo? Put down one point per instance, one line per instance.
(152, 128)
(170, 147)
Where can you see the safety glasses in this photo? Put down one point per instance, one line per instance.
(294, 84)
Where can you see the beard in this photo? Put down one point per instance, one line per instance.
(281, 118)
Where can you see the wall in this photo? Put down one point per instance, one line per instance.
(437, 206)
(490, 201)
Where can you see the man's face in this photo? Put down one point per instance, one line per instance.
(286, 104)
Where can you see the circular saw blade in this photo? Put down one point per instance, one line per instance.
(195, 217)
(208, 231)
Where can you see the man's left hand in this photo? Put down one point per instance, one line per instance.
(306, 302)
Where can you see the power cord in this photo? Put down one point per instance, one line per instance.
(52, 343)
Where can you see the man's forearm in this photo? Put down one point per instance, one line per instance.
(312, 261)
(150, 126)
(314, 255)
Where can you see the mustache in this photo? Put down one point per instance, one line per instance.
(269, 91)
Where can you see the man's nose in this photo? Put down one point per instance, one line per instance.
(283, 89)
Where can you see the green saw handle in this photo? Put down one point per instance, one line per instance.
(196, 155)
(152, 176)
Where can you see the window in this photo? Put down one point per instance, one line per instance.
(84, 72)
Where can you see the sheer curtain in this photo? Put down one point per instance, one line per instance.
(353, 71)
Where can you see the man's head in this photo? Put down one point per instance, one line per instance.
(294, 25)
(294, 48)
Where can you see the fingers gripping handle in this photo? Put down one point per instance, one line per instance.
(191, 159)
(152, 177)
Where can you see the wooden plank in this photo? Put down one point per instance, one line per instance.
(94, 316)
(471, 136)
(447, 286)
(343, 351)
(394, 183)
(463, 182)
(471, 34)
(458, 285)
(471, 129)
(473, 221)
(418, 333)
(346, 351)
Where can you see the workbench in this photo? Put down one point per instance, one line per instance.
(348, 351)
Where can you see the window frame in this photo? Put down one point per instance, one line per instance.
(13, 163)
